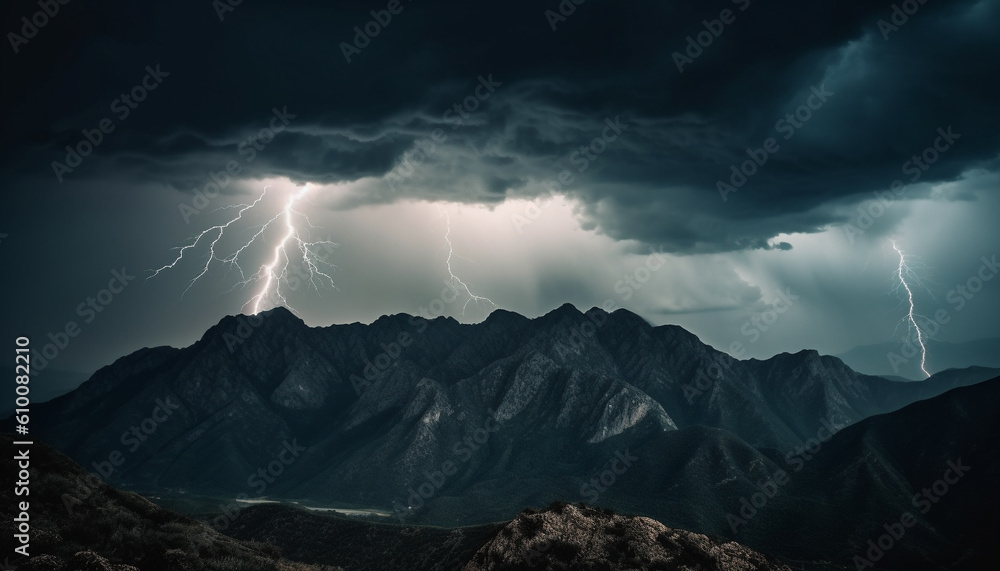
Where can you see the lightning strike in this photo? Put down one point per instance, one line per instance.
(277, 271)
(454, 280)
(904, 272)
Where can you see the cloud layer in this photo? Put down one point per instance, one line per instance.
(845, 99)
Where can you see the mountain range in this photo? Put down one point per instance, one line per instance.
(893, 359)
(442, 423)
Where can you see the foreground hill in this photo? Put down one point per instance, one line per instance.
(586, 539)
(560, 537)
(78, 523)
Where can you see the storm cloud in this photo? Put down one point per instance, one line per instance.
(885, 93)
(699, 130)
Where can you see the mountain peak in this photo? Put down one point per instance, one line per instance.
(277, 317)
(566, 309)
(279, 312)
(627, 316)
(504, 316)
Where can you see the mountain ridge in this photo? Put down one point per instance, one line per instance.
(378, 407)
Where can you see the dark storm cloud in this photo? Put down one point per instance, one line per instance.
(885, 95)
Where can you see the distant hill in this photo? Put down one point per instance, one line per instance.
(45, 386)
(874, 360)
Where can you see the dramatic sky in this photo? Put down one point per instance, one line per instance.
(553, 150)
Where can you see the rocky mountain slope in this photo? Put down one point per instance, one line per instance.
(459, 424)
(914, 489)
(586, 539)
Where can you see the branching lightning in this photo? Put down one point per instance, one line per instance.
(275, 272)
(903, 273)
(454, 281)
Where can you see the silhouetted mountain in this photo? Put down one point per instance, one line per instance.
(461, 424)
(941, 355)
(857, 487)
(45, 386)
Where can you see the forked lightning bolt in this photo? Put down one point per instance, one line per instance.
(903, 273)
(272, 275)
(454, 280)
(275, 272)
